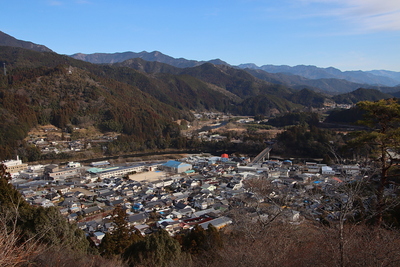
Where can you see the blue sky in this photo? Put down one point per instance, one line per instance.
(346, 34)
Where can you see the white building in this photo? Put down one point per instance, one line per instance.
(15, 166)
(326, 170)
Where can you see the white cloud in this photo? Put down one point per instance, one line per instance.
(366, 15)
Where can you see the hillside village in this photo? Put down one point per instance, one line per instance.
(178, 194)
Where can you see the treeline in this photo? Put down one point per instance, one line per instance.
(307, 141)
(251, 144)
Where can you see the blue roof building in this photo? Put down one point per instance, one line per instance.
(176, 166)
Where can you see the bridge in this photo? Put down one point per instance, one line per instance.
(262, 156)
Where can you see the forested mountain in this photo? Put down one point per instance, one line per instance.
(235, 83)
(360, 94)
(326, 79)
(308, 97)
(375, 77)
(42, 88)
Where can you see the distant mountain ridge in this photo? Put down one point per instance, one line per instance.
(330, 86)
(101, 58)
(375, 77)
(386, 78)
(329, 80)
(7, 40)
(386, 73)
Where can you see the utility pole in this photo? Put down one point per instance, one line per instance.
(5, 70)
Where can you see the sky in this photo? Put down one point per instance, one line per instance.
(345, 34)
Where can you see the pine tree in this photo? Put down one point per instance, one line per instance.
(117, 241)
(157, 249)
(383, 141)
(46, 225)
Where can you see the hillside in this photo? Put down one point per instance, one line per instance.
(7, 40)
(43, 88)
(308, 97)
(360, 94)
(235, 83)
(326, 79)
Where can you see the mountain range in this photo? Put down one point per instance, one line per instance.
(142, 97)
(382, 77)
(101, 58)
(374, 77)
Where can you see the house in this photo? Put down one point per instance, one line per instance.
(91, 210)
(208, 187)
(186, 212)
(351, 169)
(158, 204)
(204, 212)
(143, 228)
(181, 205)
(115, 203)
(326, 170)
(179, 196)
(72, 217)
(51, 168)
(139, 218)
(203, 203)
(99, 235)
(73, 165)
(63, 189)
(218, 223)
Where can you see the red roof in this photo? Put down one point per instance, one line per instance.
(337, 179)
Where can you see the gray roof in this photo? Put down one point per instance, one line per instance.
(138, 217)
(218, 222)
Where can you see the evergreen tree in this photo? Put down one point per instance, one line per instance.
(10, 199)
(383, 141)
(199, 240)
(46, 225)
(117, 241)
(157, 249)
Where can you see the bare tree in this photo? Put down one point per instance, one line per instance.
(13, 250)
